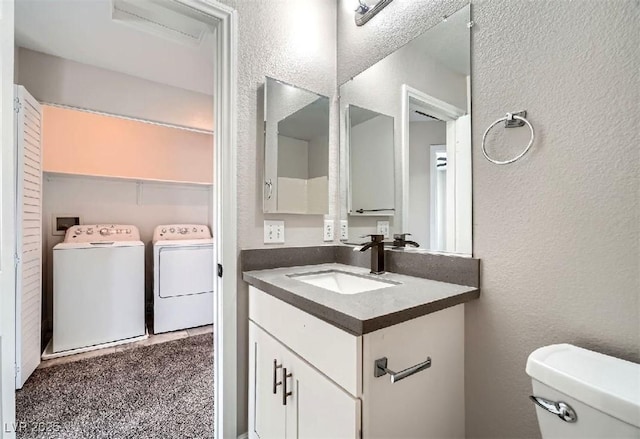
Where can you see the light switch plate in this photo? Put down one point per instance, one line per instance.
(344, 230)
(383, 229)
(273, 232)
(328, 230)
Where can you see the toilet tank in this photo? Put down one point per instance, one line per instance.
(603, 393)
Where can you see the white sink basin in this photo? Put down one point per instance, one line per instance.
(342, 282)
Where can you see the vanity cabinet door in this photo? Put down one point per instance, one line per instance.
(266, 411)
(318, 408)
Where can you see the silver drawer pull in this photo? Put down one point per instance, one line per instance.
(276, 383)
(380, 369)
(561, 409)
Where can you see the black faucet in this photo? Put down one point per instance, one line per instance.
(400, 241)
(377, 253)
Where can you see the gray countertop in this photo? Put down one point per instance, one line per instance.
(364, 312)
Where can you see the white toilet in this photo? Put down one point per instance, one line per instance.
(584, 394)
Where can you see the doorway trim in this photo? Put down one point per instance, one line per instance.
(224, 210)
(443, 111)
(224, 214)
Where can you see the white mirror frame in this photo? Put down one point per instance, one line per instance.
(459, 211)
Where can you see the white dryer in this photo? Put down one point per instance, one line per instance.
(98, 286)
(182, 277)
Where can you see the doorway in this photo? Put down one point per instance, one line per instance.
(436, 151)
(223, 24)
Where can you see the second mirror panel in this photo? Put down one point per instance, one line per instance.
(406, 142)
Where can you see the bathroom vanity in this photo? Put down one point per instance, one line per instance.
(335, 352)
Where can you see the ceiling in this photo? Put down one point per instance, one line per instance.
(85, 32)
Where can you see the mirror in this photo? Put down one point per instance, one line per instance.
(296, 162)
(371, 191)
(410, 170)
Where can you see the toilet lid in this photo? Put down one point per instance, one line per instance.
(606, 383)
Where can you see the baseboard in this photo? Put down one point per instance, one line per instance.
(244, 435)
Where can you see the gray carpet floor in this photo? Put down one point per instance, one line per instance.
(158, 391)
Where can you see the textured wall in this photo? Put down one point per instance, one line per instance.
(293, 41)
(277, 39)
(558, 233)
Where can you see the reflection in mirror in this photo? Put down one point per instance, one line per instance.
(296, 150)
(371, 187)
(424, 88)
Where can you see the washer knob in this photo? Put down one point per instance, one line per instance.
(78, 231)
(128, 231)
(89, 231)
(164, 230)
(184, 231)
(172, 230)
(195, 229)
(104, 231)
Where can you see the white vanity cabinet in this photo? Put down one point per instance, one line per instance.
(330, 375)
(314, 407)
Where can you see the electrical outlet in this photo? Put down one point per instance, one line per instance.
(344, 230)
(383, 229)
(328, 230)
(273, 232)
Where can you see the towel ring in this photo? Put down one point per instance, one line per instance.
(510, 117)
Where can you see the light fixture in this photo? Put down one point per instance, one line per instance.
(154, 18)
(362, 7)
(364, 12)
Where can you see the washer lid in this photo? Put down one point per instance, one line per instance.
(606, 383)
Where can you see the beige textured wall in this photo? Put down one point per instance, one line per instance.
(558, 232)
(293, 41)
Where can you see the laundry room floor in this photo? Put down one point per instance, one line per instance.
(153, 390)
(152, 340)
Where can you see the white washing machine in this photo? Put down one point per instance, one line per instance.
(98, 286)
(182, 277)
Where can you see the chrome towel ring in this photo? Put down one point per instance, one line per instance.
(511, 120)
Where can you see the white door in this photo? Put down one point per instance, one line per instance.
(7, 220)
(438, 197)
(266, 411)
(28, 234)
(463, 219)
(317, 407)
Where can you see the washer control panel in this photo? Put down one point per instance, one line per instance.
(102, 233)
(181, 231)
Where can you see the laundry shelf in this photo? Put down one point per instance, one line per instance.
(50, 174)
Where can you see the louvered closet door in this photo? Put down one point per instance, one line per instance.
(29, 234)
